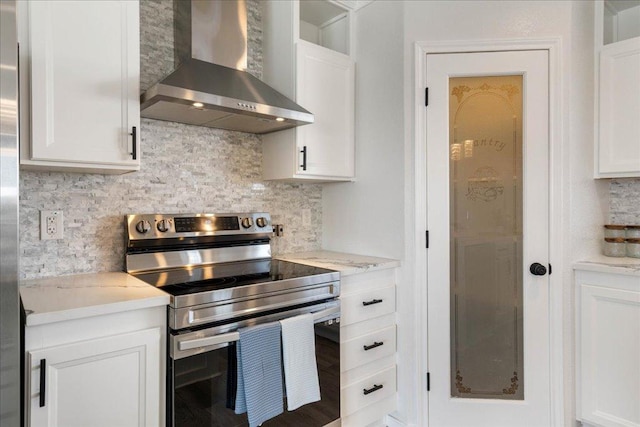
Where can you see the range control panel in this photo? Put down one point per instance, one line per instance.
(150, 226)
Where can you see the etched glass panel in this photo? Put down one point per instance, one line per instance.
(485, 155)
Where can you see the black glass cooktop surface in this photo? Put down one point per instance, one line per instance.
(185, 281)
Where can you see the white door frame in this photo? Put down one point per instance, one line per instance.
(557, 162)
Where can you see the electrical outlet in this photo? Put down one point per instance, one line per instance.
(278, 230)
(306, 217)
(51, 225)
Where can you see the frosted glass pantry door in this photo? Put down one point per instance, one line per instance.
(487, 163)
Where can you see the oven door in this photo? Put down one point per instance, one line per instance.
(202, 375)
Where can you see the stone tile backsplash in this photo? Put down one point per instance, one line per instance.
(184, 169)
(624, 201)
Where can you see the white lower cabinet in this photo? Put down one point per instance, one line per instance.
(368, 347)
(101, 371)
(608, 349)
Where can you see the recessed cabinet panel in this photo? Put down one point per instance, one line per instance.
(325, 87)
(608, 348)
(617, 43)
(81, 61)
(110, 381)
(620, 107)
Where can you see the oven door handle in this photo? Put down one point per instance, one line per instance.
(329, 312)
(205, 342)
(235, 336)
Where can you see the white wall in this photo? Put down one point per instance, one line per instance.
(581, 196)
(367, 216)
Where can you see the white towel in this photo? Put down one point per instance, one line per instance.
(299, 359)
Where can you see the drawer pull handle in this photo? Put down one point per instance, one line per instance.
(375, 387)
(43, 379)
(304, 158)
(374, 345)
(373, 301)
(134, 136)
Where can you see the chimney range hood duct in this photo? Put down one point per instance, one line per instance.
(209, 87)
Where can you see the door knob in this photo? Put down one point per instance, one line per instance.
(538, 269)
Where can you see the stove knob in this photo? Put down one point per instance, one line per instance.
(143, 226)
(261, 222)
(164, 225)
(247, 222)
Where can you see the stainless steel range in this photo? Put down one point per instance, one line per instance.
(219, 273)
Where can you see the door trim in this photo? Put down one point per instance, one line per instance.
(558, 161)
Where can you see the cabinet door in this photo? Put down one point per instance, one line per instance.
(85, 68)
(325, 86)
(619, 110)
(113, 381)
(609, 351)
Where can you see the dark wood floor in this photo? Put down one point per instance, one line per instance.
(203, 403)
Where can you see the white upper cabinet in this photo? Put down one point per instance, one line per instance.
(617, 32)
(80, 72)
(307, 47)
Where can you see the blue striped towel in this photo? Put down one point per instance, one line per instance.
(260, 391)
(299, 355)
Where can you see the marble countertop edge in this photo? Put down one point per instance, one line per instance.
(345, 263)
(43, 318)
(56, 299)
(625, 265)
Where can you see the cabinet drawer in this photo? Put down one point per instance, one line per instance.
(361, 282)
(368, 391)
(371, 414)
(367, 348)
(367, 305)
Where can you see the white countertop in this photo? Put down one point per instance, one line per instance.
(62, 298)
(346, 264)
(603, 264)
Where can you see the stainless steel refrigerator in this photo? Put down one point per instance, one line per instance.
(10, 334)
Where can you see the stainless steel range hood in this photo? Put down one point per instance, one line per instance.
(210, 86)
